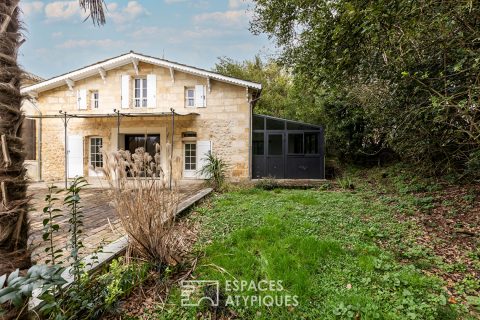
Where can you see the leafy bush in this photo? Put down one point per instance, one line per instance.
(268, 183)
(214, 170)
(89, 296)
(16, 289)
(92, 296)
(420, 102)
(75, 220)
(326, 186)
(473, 164)
(346, 183)
(50, 227)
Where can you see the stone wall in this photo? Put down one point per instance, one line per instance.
(224, 121)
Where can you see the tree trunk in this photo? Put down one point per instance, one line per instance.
(13, 185)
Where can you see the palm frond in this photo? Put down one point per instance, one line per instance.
(95, 9)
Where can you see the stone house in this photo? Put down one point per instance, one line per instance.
(135, 100)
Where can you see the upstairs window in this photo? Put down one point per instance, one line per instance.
(94, 95)
(190, 97)
(195, 97)
(140, 99)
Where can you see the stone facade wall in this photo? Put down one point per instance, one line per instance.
(225, 121)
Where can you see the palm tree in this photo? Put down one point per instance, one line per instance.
(14, 203)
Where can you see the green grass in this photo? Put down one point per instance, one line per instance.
(322, 245)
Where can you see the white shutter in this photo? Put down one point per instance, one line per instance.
(125, 91)
(151, 91)
(203, 147)
(75, 156)
(200, 96)
(82, 99)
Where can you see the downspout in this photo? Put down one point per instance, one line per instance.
(171, 149)
(250, 136)
(39, 140)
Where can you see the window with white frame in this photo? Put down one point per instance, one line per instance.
(96, 156)
(94, 95)
(190, 97)
(140, 97)
(190, 156)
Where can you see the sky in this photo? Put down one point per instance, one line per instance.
(193, 32)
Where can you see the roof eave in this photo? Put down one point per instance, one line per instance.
(125, 59)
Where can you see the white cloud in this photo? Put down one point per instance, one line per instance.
(174, 1)
(62, 10)
(81, 43)
(171, 35)
(231, 18)
(235, 4)
(131, 12)
(57, 34)
(112, 6)
(146, 32)
(30, 8)
(203, 33)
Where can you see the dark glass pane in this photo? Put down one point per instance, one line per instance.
(311, 143)
(295, 143)
(300, 126)
(258, 123)
(152, 140)
(275, 145)
(258, 144)
(273, 124)
(133, 142)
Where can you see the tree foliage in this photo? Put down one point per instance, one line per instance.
(398, 74)
(277, 83)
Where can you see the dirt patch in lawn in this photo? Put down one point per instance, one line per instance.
(451, 225)
(447, 220)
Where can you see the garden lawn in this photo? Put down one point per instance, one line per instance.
(325, 247)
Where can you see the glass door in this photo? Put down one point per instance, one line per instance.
(190, 160)
(275, 155)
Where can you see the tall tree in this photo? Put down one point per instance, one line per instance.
(280, 94)
(14, 203)
(410, 69)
